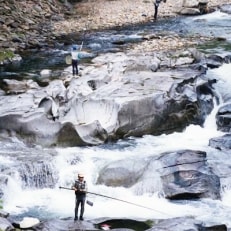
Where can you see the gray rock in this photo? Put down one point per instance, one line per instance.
(4, 214)
(223, 118)
(221, 143)
(5, 225)
(226, 8)
(186, 223)
(190, 11)
(115, 99)
(185, 175)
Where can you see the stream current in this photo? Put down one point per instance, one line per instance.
(31, 193)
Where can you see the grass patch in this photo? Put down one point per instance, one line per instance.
(6, 54)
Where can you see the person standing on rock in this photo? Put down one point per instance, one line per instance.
(75, 59)
(80, 187)
(156, 6)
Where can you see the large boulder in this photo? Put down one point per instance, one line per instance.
(221, 143)
(194, 7)
(186, 175)
(119, 95)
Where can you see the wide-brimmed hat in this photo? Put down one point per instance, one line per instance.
(80, 175)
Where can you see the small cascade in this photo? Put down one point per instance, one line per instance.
(38, 175)
(28, 167)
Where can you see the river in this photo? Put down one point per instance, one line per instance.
(64, 163)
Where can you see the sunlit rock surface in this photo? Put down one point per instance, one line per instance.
(118, 95)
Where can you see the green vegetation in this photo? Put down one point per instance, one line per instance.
(149, 223)
(1, 204)
(6, 54)
(211, 46)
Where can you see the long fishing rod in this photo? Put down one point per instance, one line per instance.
(88, 202)
(97, 194)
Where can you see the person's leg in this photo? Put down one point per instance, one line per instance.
(76, 208)
(73, 67)
(82, 209)
(156, 10)
(77, 71)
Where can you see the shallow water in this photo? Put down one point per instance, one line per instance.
(216, 24)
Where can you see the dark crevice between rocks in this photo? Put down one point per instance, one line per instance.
(182, 164)
(126, 223)
(186, 196)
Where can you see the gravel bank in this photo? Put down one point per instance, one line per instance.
(97, 14)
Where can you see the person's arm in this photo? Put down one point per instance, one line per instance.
(74, 187)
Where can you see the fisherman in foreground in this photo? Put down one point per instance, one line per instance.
(80, 187)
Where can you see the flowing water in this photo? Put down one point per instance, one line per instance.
(40, 196)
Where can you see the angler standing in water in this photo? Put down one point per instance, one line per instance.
(80, 187)
(156, 6)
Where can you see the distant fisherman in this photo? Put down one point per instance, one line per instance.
(75, 58)
(80, 187)
(156, 6)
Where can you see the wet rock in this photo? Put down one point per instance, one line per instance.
(221, 143)
(65, 224)
(226, 8)
(127, 99)
(223, 118)
(176, 224)
(5, 225)
(124, 173)
(3, 213)
(185, 175)
(214, 61)
(186, 223)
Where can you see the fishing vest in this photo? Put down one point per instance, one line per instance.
(80, 185)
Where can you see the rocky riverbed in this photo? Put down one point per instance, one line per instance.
(37, 25)
(166, 83)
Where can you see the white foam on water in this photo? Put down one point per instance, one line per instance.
(214, 16)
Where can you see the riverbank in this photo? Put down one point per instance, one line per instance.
(103, 14)
(34, 25)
